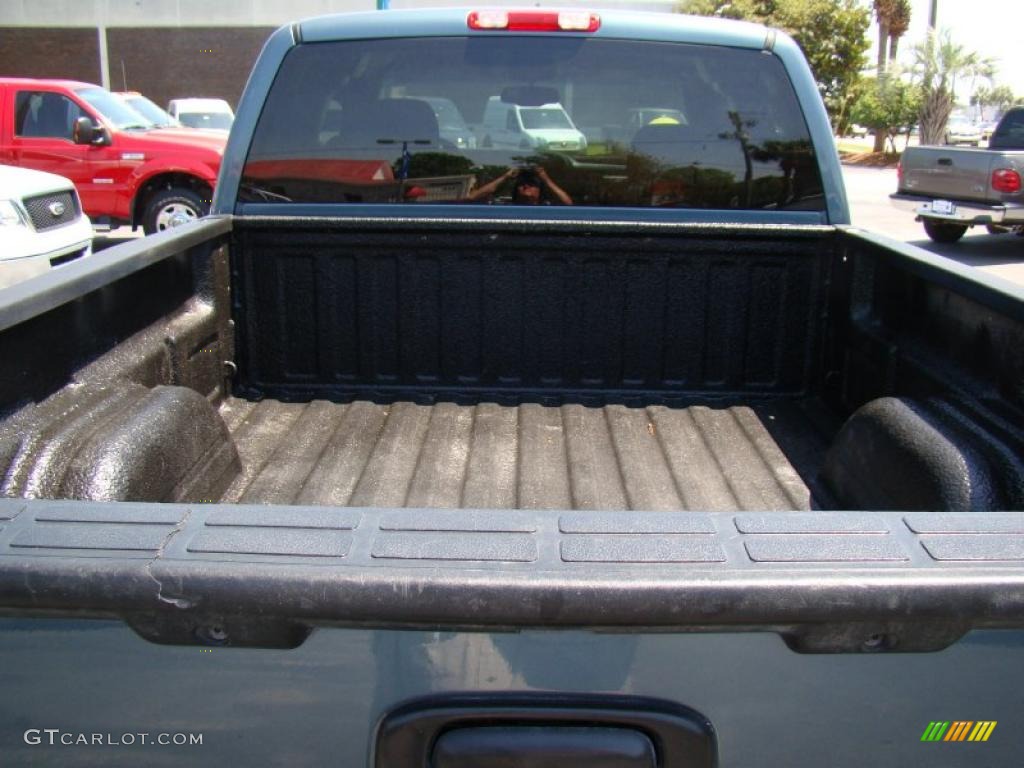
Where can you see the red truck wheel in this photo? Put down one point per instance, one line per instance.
(943, 232)
(172, 207)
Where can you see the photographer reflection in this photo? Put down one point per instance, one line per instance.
(533, 186)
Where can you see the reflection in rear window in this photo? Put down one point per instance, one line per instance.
(538, 117)
(602, 124)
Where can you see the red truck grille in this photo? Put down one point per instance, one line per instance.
(52, 210)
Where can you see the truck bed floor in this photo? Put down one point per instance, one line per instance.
(528, 456)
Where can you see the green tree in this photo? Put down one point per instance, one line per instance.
(888, 106)
(831, 33)
(938, 64)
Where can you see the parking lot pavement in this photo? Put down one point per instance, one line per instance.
(868, 190)
(114, 237)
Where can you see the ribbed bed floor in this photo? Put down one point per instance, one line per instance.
(761, 457)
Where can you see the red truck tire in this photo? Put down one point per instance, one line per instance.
(172, 207)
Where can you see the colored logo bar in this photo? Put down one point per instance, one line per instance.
(959, 730)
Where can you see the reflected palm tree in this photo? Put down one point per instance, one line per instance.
(741, 134)
(795, 159)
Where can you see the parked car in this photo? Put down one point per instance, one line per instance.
(951, 190)
(211, 114)
(987, 128)
(126, 170)
(158, 117)
(856, 131)
(963, 132)
(543, 126)
(41, 224)
(450, 122)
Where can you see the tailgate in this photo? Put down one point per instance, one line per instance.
(948, 173)
(330, 702)
(340, 636)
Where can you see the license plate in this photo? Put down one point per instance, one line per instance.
(943, 207)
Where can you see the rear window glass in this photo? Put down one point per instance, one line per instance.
(1009, 134)
(583, 121)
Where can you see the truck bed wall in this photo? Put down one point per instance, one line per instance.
(44, 353)
(111, 393)
(514, 315)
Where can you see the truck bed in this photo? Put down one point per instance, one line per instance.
(704, 457)
(493, 368)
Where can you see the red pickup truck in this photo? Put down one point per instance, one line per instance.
(126, 170)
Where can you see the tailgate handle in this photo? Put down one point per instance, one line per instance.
(945, 161)
(544, 730)
(543, 747)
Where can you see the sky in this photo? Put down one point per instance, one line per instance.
(993, 28)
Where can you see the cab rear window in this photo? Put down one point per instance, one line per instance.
(1009, 134)
(479, 120)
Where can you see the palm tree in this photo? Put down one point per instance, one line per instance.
(985, 69)
(938, 64)
(899, 23)
(885, 10)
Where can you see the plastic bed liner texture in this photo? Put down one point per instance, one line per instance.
(488, 456)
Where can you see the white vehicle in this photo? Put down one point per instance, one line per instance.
(212, 114)
(547, 126)
(41, 224)
(963, 132)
